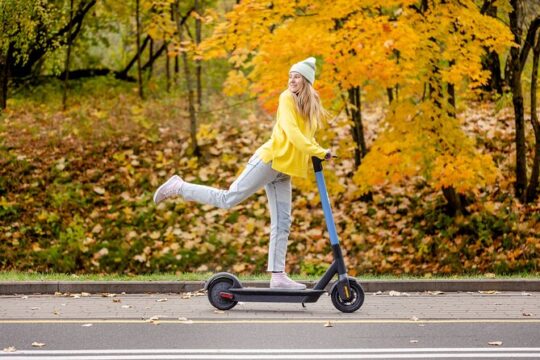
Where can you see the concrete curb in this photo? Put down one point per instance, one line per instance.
(141, 287)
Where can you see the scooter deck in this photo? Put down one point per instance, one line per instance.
(251, 294)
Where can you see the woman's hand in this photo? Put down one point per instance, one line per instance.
(328, 155)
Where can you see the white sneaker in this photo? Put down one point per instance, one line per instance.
(169, 189)
(282, 281)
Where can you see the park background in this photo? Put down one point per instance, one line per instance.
(434, 122)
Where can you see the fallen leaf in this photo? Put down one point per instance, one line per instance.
(435, 293)
(495, 343)
(378, 292)
(10, 349)
(397, 293)
(489, 292)
(182, 319)
(126, 306)
(414, 318)
(38, 344)
(414, 341)
(116, 300)
(99, 190)
(24, 297)
(328, 324)
(526, 314)
(162, 300)
(86, 325)
(153, 320)
(525, 294)
(219, 312)
(34, 308)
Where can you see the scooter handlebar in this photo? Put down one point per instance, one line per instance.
(317, 163)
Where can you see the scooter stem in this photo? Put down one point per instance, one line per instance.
(323, 193)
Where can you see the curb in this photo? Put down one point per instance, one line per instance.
(141, 287)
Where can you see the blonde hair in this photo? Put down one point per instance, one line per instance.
(308, 104)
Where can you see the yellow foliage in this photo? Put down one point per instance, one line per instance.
(235, 84)
(375, 45)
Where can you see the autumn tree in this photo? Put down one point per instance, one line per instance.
(30, 30)
(68, 57)
(426, 56)
(139, 52)
(170, 23)
(525, 191)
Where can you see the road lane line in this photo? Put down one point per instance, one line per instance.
(290, 357)
(279, 351)
(271, 321)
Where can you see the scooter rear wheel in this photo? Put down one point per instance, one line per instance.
(354, 303)
(214, 294)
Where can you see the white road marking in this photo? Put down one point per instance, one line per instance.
(277, 351)
(288, 357)
(279, 354)
(273, 321)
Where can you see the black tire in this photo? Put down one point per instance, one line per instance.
(215, 289)
(352, 305)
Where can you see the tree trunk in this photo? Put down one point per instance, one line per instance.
(139, 69)
(451, 98)
(176, 69)
(455, 205)
(198, 66)
(455, 202)
(154, 57)
(390, 94)
(150, 63)
(191, 101)
(491, 62)
(4, 77)
(532, 189)
(168, 71)
(357, 128)
(68, 55)
(515, 69)
(123, 73)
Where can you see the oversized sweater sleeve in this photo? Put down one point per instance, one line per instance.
(287, 121)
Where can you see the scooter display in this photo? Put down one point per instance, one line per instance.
(225, 290)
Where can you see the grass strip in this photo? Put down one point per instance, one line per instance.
(13, 276)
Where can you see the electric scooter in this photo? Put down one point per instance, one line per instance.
(225, 290)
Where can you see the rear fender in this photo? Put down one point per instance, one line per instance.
(223, 275)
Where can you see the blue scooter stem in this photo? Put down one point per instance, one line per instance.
(327, 209)
(338, 265)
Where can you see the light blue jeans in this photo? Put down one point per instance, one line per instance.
(278, 190)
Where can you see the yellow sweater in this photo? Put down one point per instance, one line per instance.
(292, 143)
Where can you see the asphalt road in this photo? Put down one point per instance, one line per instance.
(412, 326)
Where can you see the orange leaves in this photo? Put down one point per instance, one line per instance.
(422, 140)
(464, 172)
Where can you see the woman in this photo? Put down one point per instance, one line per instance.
(287, 153)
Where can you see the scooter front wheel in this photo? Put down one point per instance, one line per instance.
(354, 303)
(214, 294)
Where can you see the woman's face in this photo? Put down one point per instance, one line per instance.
(296, 82)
